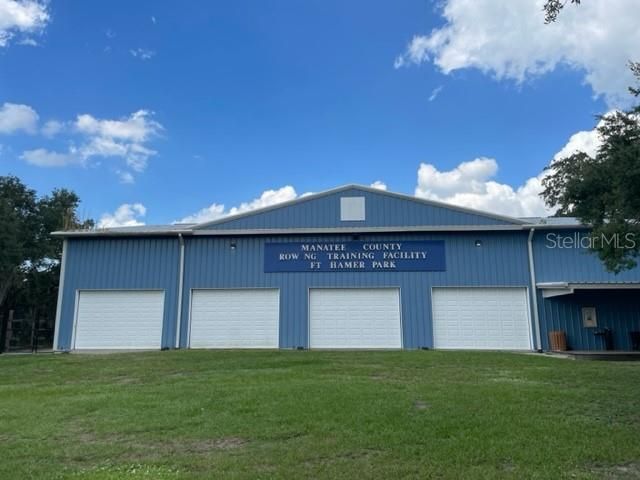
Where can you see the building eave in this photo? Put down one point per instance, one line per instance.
(558, 289)
(109, 233)
(308, 231)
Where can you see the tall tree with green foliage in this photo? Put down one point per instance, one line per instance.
(17, 223)
(26, 222)
(603, 190)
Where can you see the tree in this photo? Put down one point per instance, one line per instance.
(17, 223)
(30, 256)
(552, 9)
(604, 190)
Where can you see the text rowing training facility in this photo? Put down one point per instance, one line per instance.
(353, 267)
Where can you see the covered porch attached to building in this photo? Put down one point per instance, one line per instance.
(593, 316)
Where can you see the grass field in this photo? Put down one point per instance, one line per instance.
(287, 414)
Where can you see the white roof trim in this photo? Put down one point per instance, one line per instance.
(556, 289)
(118, 233)
(294, 231)
(515, 221)
(357, 230)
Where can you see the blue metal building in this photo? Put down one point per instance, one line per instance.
(353, 267)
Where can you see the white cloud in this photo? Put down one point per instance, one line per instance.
(22, 18)
(586, 141)
(125, 177)
(28, 41)
(52, 128)
(15, 117)
(126, 215)
(45, 158)
(207, 214)
(379, 185)
(435, 92)
(470, 185)
(142, 53)
(138, 127)
(510, 40)
(125, 138)
(217, 210)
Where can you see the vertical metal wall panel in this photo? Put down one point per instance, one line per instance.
(555, 262)
(210, 262)
(616, 310)
(120, 263)
(381, 210)
(572, 264)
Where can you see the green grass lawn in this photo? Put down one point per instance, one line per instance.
(288, 414)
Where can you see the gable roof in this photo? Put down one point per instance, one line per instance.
(319, 213)
(490, 218)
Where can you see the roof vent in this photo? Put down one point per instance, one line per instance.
(352, 209)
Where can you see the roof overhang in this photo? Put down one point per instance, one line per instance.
(304, 231)
(557, 289)
(118, 233)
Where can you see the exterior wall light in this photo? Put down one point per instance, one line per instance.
(478, 243)
(233, 245)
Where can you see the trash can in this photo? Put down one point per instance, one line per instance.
(635, 340)
(607, 337)
(558, 341)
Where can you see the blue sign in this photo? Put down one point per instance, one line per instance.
(374, 256)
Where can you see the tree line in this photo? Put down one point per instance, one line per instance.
(29, 256)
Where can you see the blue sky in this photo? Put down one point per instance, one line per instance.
(237, 98)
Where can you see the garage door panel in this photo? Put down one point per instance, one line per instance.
(481, 318)
(119, 319)
(235, 318)
(355, 318)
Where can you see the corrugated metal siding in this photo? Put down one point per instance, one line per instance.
(135, 263)
(572, 264)
(381, 211)
(211, 263)
(617, 310)
(152, 263)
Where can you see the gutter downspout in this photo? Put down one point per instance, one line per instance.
(180, 285)
(56, 328)
(534, 291)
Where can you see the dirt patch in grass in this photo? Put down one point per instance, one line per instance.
(382, 377)
(205, 445)
(622, 471)
(126, 380)
(284, 437)
(142, 448)
(343, 456)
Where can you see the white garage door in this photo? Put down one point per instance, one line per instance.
(355, 318)
(238, 318)
(481, 318)
(116, 319)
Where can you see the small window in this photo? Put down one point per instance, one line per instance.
(352, 209)
(589, 319)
